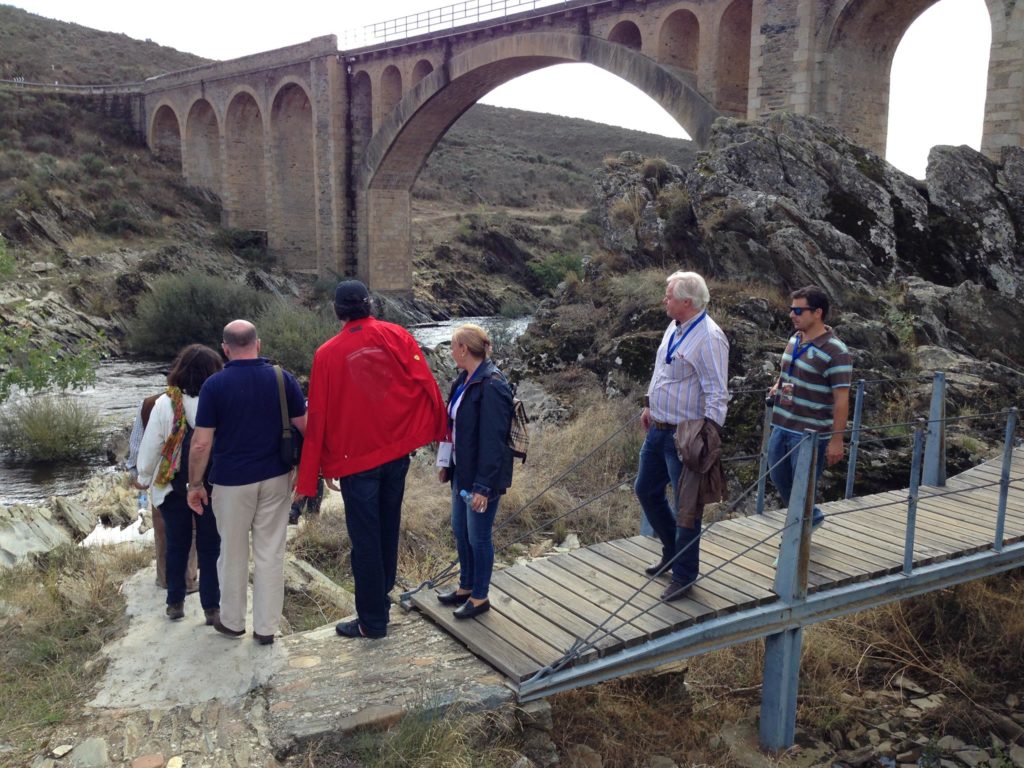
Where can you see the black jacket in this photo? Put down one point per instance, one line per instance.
(483, 459)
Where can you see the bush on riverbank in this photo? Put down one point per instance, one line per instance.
(50, 428)
(290, 334)
(192, 308)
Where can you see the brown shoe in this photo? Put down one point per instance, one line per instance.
(263, 639)
(175, 611)
(212, 616)
(227, 630)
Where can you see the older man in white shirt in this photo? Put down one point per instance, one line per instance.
(690, 381)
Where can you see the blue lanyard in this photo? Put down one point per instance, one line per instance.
(459, 390)
(674, 345)
(797, 352)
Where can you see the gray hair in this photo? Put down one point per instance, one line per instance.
(689, 285)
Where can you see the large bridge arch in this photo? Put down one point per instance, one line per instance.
(202, 156)
(400, 147)
(245, 189)
(861, 38)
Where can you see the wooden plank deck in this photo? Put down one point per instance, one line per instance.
(539, 609)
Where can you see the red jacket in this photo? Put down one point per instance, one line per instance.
(372, 399)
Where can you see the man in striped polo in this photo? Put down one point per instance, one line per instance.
(812, 392)
(689, 383)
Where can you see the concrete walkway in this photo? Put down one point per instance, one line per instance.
(181, 689)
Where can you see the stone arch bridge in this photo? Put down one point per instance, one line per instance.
(320, 147)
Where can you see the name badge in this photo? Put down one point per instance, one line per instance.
(444, 454)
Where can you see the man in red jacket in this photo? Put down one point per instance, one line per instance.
(372, 401)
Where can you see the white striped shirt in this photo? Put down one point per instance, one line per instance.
(696, 383)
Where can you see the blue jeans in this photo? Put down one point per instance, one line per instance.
(783, 467)
(660, 468)
(373, 516)
(178, 517)
(473, 542)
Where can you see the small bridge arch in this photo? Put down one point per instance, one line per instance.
(165, 134)
(400, 147)
(245, 188)
(202, 155)
(293, 171)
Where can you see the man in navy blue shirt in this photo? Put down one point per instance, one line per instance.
(239, 422)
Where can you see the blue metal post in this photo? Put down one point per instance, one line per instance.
(915, 492)
(762, 469)
(782, 650)
(858, 408)
(1004, 480)
(935, 445)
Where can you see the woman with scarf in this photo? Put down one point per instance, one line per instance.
(480, 464)
(163, 464)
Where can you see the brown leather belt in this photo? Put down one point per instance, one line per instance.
(663, 425)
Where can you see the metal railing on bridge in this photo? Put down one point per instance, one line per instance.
(445, 17)
(891, 555)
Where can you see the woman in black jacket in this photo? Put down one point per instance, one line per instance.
(480, 469)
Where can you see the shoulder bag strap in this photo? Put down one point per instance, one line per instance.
(281, 398)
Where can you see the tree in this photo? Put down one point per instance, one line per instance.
(35, 367)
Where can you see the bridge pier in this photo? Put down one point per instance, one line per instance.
(782, 649)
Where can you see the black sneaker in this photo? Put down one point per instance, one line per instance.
(293, 517)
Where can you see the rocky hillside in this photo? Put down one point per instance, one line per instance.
(45, 50)
(926, 276)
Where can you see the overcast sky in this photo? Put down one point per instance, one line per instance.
(937, 97)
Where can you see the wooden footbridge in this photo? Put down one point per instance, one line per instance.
(586, 616)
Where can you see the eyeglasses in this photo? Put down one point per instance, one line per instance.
(800, 310)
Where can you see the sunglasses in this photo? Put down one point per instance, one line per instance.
(800, 310)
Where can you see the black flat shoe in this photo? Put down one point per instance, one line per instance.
(355, 629)
(452, 598)
(657, 569)
(467, 610)
(263, 639)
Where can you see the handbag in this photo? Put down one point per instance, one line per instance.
(291, 438)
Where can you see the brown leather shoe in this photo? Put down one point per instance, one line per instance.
(212, 616)
(175, 611)
(227, 630)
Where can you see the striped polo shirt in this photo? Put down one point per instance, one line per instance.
(805, 385)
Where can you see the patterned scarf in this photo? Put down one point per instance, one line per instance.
(170, 454)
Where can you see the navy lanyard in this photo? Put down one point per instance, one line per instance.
(459, 390)
(797, 352)
(674, 345)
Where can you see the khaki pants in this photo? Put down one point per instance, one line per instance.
(160, 541)
(262, 510)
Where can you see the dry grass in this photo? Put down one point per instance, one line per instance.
(449, 739)
(59, 610)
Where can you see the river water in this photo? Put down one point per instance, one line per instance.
(122, 384)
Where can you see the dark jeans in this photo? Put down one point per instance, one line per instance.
(310, 503)
(473, 541)
(783, 467)
(178, 523)
(660, 468)
(373, 516)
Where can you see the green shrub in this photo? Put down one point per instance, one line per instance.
(50, 428)
(191, 308)
(553, 269)
(32, 367)
(92, 164)
(118, 217)
(6, 260)
(289, 334)
(249, 244)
